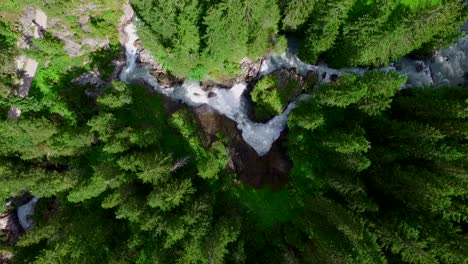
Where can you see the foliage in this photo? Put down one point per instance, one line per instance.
(297, 12)
(9, 51)
(372, 33)
(271, 96)
(378, 174)
(395, 35)
(373, 93)
(204, 40)
(101, 23)
(209, 161)
(324, 28)
(393, 171)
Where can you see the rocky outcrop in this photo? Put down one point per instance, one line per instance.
(6, 258)
(27, 27)
(165, 78)
(249, 69)
(27, 70)
(285, 76)
(92, 77)
(125, 19)
(40, 21)
(146, 59)
(270, 170)
(34, 23)
(9, 222)
(10, 227)
(285, 85)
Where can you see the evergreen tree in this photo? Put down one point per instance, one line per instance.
(323, 29)
(397, 171)
(207, 40)
(9, 50)
(296, 13)
(386, 33)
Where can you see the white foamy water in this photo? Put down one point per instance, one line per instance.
(228, 102)
(25, 213)
(448, 68)
(450, 64)
(130, 52)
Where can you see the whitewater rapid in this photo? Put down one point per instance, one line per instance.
(448, 67)
(228, 102)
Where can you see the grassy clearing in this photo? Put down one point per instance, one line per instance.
(103, 17)
(415, 4)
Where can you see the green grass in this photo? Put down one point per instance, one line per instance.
(415, 4)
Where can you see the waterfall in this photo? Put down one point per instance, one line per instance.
(130, 52)
(448, 67)
(25, 213)
(228, 102)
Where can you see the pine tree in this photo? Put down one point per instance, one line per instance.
(296, 13)
(376, 40)
(323, 28)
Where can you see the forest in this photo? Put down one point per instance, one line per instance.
(366, 171)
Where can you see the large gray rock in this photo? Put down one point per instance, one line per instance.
(249, 69)
(92, 77)
(6, 258)
(10, 227)
(145, 58)
(40, 21)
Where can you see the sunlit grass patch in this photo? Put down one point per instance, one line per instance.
(414, 4)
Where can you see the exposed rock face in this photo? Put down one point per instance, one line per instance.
(145, 57)
(95, 43)
(208, 85)
(305, 83)
(9, 223)
(118, 64)
(40, 20)
(125, 19)
(249, 69)
(14, 113)
(6, 258)
(27, 72)
(271, 169)
(92, 77)
(10, 227)
(166, 79)
(27, 27)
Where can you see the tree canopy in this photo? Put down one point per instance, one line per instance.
(375, 173)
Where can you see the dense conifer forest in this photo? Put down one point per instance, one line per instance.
(366, 171)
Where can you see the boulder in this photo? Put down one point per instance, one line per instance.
(145, 57)
(6, 258)
(10, 227)
(284, 86)
(249, 69)
(93, 77)
(166, 79)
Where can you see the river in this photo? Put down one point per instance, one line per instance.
(447, 68)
